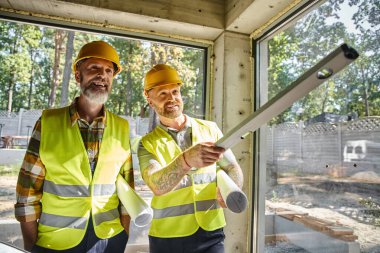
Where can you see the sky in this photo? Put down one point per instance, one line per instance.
(345, 16)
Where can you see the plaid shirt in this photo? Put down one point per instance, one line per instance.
(29, 187)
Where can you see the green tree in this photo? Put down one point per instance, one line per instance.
(293, 51)
(31, 75)
(59, 38)
(67, 69)
(16, 62)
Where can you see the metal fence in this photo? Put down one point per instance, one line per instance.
(351, 147)
(17, 127)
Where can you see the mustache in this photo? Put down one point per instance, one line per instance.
(98, 80)
(171, 103)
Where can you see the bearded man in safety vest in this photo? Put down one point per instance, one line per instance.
(178, 161)
(66, 190)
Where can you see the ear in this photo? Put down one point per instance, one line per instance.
(149, 101)
(77, 76)
(148, 98)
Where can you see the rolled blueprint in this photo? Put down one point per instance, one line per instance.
(140, 212)
(235, 198)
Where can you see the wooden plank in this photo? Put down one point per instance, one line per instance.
(330, 223)
(339, 230)
(316, 225)
(290, 214)
(348, 238)
(200, 12)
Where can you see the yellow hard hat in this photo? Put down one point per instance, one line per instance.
(161, 74)
(99, 49)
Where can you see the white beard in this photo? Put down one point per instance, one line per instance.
(95, 97)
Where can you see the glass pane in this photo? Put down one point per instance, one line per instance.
(322, 155)
(28, 54)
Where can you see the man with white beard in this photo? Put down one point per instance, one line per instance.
(66, 190)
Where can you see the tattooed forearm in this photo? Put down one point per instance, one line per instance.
(163, 180)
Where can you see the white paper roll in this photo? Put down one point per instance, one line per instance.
(235, 199)
(140, 212)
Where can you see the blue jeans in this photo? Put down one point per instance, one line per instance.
(92, 244)
(200, 242)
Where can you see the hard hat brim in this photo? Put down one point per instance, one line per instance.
(162, 84)
(117, 71)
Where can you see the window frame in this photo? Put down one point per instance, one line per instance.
(206, 46)
(260, 94)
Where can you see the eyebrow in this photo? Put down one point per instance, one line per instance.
(106, 66)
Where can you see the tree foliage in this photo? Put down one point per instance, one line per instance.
(36, 70)
(35, 73)
(355, 90)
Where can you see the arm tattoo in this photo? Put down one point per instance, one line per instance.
(162, 180)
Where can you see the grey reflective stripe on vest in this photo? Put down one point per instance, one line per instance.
(78, 190)
(59, 221)
(206, 205)
(204, 178)
(66, 190)
(173, 211)
(106, 216)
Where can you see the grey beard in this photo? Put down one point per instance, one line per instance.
(97, 98)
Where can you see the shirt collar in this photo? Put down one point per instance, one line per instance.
(186, 126)
(74, 115)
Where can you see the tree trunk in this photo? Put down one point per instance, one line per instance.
(10, 94)
(12, 79)
(365, 93)
(366, 103)
(58, 40)
(31, 78)
(67, 69)
(128, 87)
(129, 94)
(153, 117)
(325, 97)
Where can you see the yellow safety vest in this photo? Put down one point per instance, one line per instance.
(192, 204)
(70, 192)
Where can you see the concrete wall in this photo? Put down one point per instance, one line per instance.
(320, 147)
(306, 238)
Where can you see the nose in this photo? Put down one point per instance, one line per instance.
(172, 97)
(102, 72)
